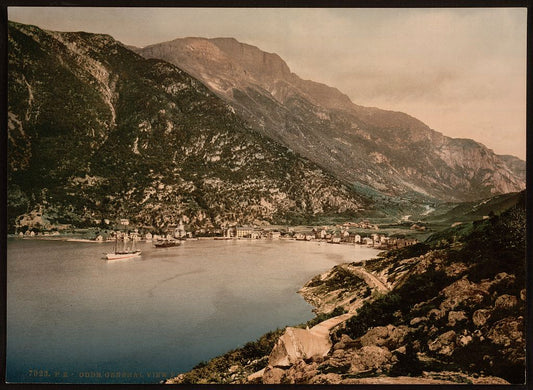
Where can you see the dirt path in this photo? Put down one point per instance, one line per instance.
(371, 279)
(324, 327)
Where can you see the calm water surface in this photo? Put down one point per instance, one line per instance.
(74, 317)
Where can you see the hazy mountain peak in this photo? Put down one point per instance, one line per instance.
(390, 151)
(259, 63)
(224, 63)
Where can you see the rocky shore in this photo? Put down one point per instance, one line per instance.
(450, 310)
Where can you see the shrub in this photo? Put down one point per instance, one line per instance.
(486, 357)
(408, 364)
(377, 313)
(213, 371)
(325, 316)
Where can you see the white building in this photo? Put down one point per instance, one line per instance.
(368, 241)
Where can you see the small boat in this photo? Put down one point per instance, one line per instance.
(166, 243)
(123, 253)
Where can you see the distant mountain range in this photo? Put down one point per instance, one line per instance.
(97, 131)
(391, 152)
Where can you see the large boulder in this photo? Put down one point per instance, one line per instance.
(256, 377)
(301, 373)
(506, 332)
(463, 291)
(444, 344)
(455, 317)
(297, 344)
(480, 317)
(388, 336)
(370, 357)
(339, 362)
(273, 375)
(345, 342)
(504, 278)
(506, 302)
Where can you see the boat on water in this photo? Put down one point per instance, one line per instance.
(123, 253)
(166, 243)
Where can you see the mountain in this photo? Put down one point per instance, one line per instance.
(96, 132)
(388, 151)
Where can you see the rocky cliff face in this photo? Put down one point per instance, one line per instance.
(450, 310)
(96, 131)
(389, 151)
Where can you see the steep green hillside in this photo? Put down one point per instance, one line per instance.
(449, 213)
(98, 132)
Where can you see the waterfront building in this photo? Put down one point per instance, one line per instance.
(368, 241)
(244, 232)
(275, 235)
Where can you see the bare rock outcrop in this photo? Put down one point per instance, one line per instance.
(296, 344)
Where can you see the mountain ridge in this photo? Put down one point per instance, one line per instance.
(98, 132)
(358, 144)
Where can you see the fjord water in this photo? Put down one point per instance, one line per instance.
(73, 317)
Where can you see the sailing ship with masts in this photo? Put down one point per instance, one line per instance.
(121, 249)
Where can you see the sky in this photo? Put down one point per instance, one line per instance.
(461, 71)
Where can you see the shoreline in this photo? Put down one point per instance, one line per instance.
(313, 334)
(76, 238)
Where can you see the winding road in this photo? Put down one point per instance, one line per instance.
(370, 279)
